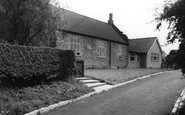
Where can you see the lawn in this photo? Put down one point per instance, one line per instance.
(18, 101)
(115, 76)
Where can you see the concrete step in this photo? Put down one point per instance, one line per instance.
(94, 84)
(83, 78)
(103, 87)
(89, 81)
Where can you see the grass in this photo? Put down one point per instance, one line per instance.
(18, 101)
(115, 76)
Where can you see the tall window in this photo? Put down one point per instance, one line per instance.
(157, 57)
(75, 45)
(119, 52)
(101, 49)
(132, 56)
(154, 57)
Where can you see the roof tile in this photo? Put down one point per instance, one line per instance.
(78, 23)
(141, 45)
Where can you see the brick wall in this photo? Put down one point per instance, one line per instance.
(115, 62)
(89, 52)
(91, 60)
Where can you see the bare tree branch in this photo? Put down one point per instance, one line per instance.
(34, 35)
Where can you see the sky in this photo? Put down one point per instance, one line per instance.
(134, 17)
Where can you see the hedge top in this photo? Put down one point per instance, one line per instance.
(26, 63)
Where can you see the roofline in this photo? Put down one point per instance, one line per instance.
(120, 33)
(159, 46)
(137, 52)
(156, 40)
(123, 36)
(82, 15)
(143, 38)
(91, 36)
(151, 46)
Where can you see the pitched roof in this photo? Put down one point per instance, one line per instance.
(141, 45)
(83, 25)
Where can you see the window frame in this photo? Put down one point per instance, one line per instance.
(154, 57)
(101, 49)
(132, 56)
(119, 52)
(157, 57)
(75, 45)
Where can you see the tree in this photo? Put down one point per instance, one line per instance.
(163, 65)
(170, 60)
(174, 14)
(29, 22)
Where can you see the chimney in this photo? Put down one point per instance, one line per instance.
(110, 21)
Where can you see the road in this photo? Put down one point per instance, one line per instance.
(150, 96)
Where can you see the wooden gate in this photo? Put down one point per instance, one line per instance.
(80, 68)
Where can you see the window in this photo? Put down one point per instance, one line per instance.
(101, 49)
(132, 56)
(74, 44)
(119, 52)
(157, 57)
(154, 57)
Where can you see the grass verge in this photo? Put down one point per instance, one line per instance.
(116, 76)
(18, 101)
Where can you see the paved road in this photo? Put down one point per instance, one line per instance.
(151, 96)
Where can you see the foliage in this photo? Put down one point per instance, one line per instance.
(31, 65)
(174, 14)
(163, 64)
(181, 111)
(180, 58)
(18, 101)
(170, 60)
(29, 22)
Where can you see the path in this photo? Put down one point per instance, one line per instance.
(150, 96)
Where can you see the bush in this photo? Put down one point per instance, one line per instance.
(23, 65)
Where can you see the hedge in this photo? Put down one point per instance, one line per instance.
(34, 64)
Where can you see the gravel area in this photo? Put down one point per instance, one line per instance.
(115, 76)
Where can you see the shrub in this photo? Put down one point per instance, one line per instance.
(22, 65)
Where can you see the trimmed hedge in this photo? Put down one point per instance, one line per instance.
(20, 64)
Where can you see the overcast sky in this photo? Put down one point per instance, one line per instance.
(133, 17)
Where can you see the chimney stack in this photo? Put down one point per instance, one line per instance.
(110, 21)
